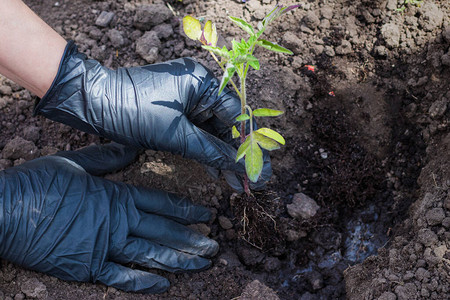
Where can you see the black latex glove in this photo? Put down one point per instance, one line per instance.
(58, 219)
(171, 106)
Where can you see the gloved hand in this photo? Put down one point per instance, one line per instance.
(57, 218)
(171, 106)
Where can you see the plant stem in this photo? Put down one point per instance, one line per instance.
(243, 97)
(223, 69)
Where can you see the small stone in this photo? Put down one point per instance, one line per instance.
(157, 167)
(5, 90)
(329, 51)
(231, 259)
(311, 20)
(104, 19)
(4, 164)
(422, 274)
(272, 264)
(435, 216)
(408, 276)
(32, 133)
(391, 5)
(116, 38)
(250, 256)
(33, 288)
(425, 293)
(19, 296)
(387, 296)
(391, 35)
(406, 292)
(381, 51)
(3, 102)
(326, 12)
(292, 42)
(302, 207)
(438, 108)
(427, 237)
(257, 290)
(294, 235)
(225, 223)
(431, 17)
(149, 15)
(163, 31)
(344, 48)
(445, 222)
(148, 45)
(19, 148)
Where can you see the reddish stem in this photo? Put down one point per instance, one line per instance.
(245, 179)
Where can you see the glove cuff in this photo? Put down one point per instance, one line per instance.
(55, 89)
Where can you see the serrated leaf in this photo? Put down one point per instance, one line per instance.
(192, 27)
(267, 112)
(243, 25)
(253, 160)
(243, 148)
(243, 117)
(248, 58)
(227, 75)
(265, 142)
(218, 51)
(273, 47)
(210, 34)
(239, 48)
(254, 63)
(235, 133)
(272, 134)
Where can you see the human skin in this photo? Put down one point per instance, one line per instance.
(30, 50)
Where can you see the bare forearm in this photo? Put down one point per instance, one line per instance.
(30, 50)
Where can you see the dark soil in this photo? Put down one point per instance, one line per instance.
(368, 141)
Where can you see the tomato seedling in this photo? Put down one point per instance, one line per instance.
(237, 61)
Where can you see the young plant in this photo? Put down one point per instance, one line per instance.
(406, 2)
(237, 61)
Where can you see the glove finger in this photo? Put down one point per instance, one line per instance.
(174, 235)
(101, 159)
(208, 149)
(152, 255)
(130, 280)
(179, 209)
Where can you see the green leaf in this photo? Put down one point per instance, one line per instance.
(216, 50)
(192, 27)
(239, 48)
(235, 133)
(244, 25)
(273, 47)
(243, 117)
(272, 134)
(267, 112)
(227, 75)
(254, 63)
(253, 160)
(243, 148)
(265, 142)
(248, 58)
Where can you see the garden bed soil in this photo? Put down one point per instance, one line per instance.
(359, 203)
